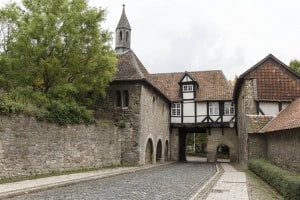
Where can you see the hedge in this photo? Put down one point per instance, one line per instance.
(285, 182)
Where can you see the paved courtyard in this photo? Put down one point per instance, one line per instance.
(174, 181)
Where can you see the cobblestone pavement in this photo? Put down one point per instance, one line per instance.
(174, 181)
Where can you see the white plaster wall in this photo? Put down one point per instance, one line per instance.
(269, 108)
(175, 119)
(188, 95)
(188, 108)
(201, 108)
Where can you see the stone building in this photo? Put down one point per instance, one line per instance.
(160, 109)
(261, 93)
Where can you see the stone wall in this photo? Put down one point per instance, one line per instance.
(127, 118)
(283, 148)
(174, 143)
(257, 145)
(245, 105)
(216, 138)
(155, 116)
(31, 147)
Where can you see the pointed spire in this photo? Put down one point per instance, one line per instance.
(123, 23)
(123, 34)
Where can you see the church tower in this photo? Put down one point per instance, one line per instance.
(123, 34)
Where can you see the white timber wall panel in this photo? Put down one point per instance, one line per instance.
(186, 79)
(269, 108)
(214, 117)
(188, 119)
(175, 119)
(188, 95)
(201, 108)
(188, 112)
(227, 118)
(200, 118)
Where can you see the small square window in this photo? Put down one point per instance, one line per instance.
(188, 88)
(176, 109)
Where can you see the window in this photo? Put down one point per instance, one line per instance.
(125, 99)
(176, 109)
(187, 88)
(229, 108)
(213, 108)
(121, 36)
(118, 101)
(127, 34)
(122, 99)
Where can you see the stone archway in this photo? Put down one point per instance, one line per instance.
(159, 151)
(149, 152)
(223, 153)
(167, 150)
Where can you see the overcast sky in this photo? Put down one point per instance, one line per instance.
(196, 35)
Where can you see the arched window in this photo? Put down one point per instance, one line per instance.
(121, 35)
(125, 99)
(118, 101)
(127, 35)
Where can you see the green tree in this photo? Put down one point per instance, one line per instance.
(56, 47)
(295, 65)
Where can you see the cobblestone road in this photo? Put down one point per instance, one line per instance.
(174, 181)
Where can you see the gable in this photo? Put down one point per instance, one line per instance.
(274, 82)
(186, 79)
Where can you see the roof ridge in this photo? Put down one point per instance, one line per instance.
(186, 72)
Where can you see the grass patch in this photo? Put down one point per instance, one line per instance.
(285, 182)
(57, 173)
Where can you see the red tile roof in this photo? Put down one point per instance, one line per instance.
(275, 81)
(289, 118)
(212, 85)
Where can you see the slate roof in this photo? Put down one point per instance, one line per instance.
(123, 23)
(289, 118)
(212, 85)
(275, 81)
(129, 67)
(254, 123)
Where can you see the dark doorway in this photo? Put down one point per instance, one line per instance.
(149, 152)
(223, 153)
(158, 151)
(167, 151)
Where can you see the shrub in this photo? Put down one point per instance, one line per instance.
(65, 113)
(285, 182)
(10, 105)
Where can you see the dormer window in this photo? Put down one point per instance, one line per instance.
(188, 88)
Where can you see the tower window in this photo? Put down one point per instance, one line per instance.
(125, 99)
(118, 101)
(121, 35)
(127, 34)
